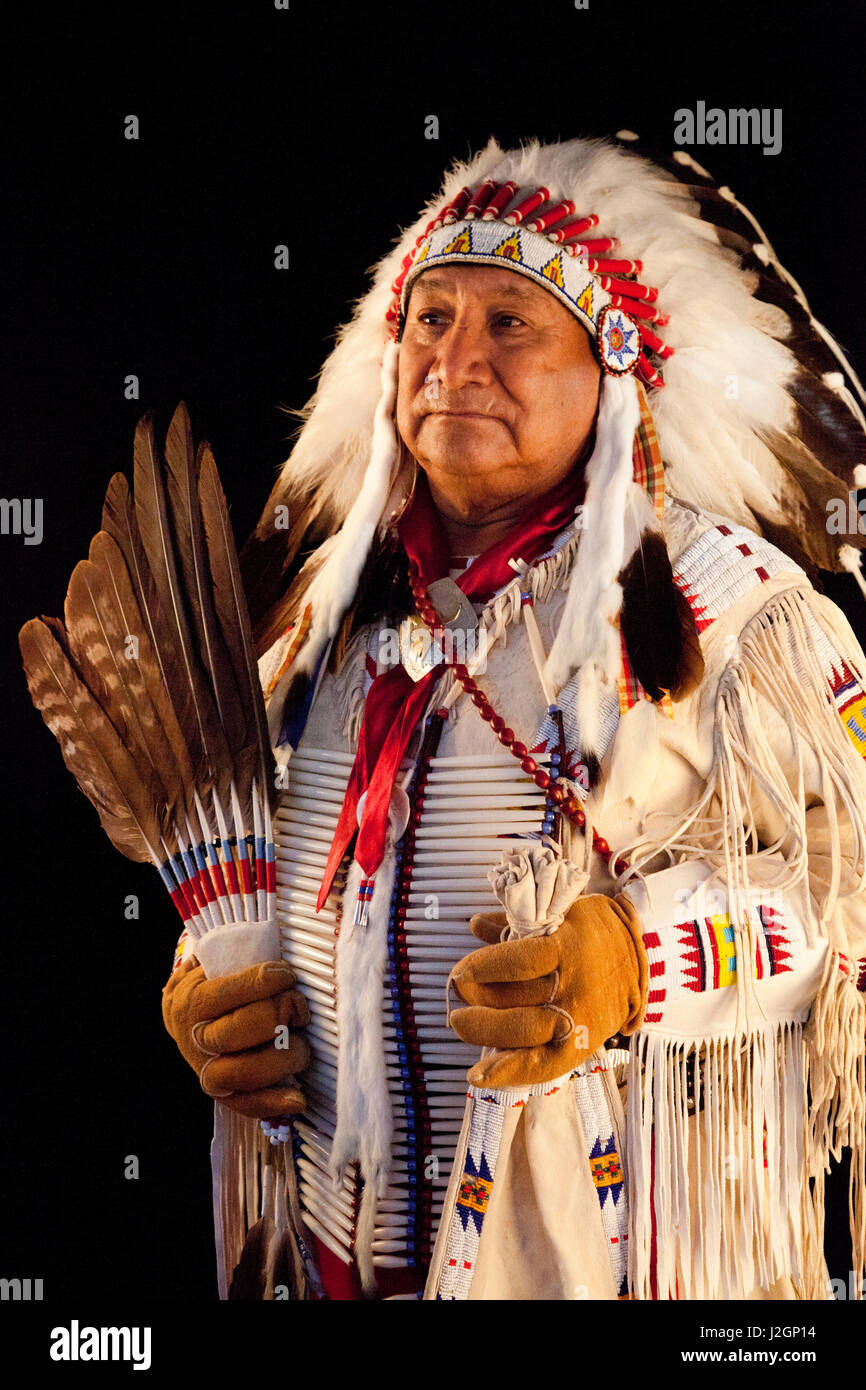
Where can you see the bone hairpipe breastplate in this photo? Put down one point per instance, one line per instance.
(465, 808)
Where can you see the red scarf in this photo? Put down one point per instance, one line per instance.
(395, 702)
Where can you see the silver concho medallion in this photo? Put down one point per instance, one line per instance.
(420, 652)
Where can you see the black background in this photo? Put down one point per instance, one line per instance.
(155, 257)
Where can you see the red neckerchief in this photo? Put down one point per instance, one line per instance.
(395, 702)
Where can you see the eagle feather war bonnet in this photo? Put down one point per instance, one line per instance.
(757, 412)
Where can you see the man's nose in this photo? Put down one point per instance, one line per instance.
(463, 355)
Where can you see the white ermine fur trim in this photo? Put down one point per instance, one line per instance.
(364, 1116)
(335, 586)
(587, 639)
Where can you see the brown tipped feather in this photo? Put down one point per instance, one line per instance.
(827, 439)
(826, 425)
(813, 488)
(119, 522)
(106, 555)
(788, 539)
(96, 642)
(151, 688)
(272, 555)
(289, 607)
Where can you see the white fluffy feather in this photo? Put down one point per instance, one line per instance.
(335, 584)
(586, 635)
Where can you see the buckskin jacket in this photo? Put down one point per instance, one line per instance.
(678, 1168)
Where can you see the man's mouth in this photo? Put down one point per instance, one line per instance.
(464, 414)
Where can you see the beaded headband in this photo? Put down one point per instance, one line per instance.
(491, 228)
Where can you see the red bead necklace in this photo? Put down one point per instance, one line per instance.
(558, 794)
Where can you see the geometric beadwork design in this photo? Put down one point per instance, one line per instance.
(179, 950)
(847, 691)
(850, 701)
(699, 954)
(776, 943)
(474, 1192)
(479, 1166)
(619, 344)
(606, 1171)
(487, 243)
(724, 563)
(657, 991)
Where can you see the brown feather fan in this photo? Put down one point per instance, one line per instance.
(151, 687)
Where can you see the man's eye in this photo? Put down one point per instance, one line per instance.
(431, 316)
(509, 321)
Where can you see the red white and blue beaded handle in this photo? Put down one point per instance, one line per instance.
(224, 880)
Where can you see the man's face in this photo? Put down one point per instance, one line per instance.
(498, 388)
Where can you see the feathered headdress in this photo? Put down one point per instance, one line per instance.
(757, 411)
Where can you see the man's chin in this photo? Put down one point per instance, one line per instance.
(460, 476)
(464, 453)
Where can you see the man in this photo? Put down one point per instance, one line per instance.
(518, 648)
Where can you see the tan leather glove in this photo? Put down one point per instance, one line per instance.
(226, 1031)
(546, 1003)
